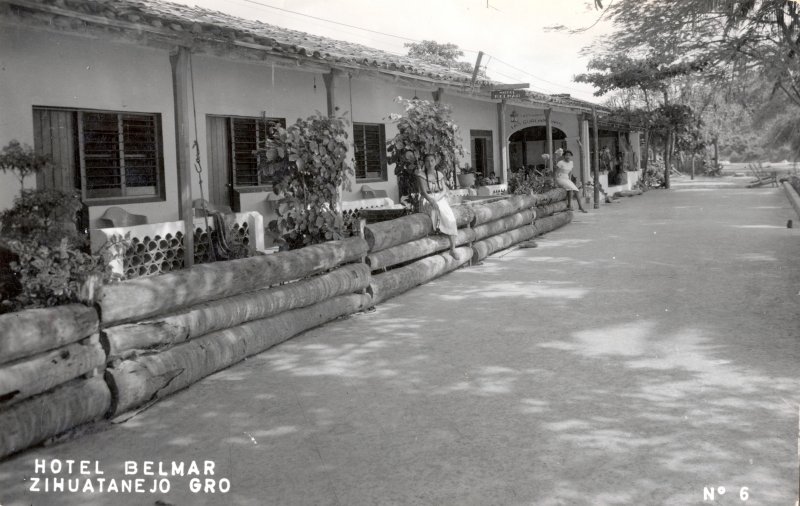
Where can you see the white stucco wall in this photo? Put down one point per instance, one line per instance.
(39, 68)
(238, 88)
(475, 115)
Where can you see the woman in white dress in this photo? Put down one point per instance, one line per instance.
(563, 170)
(433, 188)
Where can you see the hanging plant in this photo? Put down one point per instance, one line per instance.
(424, 128)
(308, 163)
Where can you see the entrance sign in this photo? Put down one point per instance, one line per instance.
(502, 94)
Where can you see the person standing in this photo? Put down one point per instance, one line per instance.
(563, 171)
(433, 188)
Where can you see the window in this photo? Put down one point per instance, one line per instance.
(370, 151)
(233, 142)
(111, 157)
(481, 145)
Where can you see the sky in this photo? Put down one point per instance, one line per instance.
(511, 33)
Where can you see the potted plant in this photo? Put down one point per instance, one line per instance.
(466, 177)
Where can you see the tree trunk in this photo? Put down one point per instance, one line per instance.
(520, 219)
(416, 249)
(28, 377)
(692, 166)
(384, 235)
(667, 159)
(233, 311)
(51, 413)
(552, 222)
(389, 284)
(153, 377)
(484, 248)
(646, 150)
(492, 211)
(550, 209)
(716, 153)
(32, 331)
(464, 214)
(146, 297)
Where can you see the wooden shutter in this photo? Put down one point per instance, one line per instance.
(54, 135)
(102, 165)
(140, 154)
(219, 161)
(244, 142)
(370, 151)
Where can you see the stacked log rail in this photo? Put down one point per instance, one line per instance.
(165, 333)
(51, 363)
(500, 225)
(416, 256)
(149, 337)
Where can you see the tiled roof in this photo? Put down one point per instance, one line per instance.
(211, 25)
(182, 22)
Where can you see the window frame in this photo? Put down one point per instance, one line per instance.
(79, 170)
(264, 184)
(384, 175)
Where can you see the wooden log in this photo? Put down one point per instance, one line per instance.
(390, 233)
(33, 420)
(27, 377)
(627, 193)
(416, 249)
(32, 331)
(389, 284)
(485, 213)
(151, 377)
(550, 197)
(464, 214)
(145, 297)
(550, 209)
(233, 311)
(552, 222)
(484, 248)
(504, 224)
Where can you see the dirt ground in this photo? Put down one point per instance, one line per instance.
(648, 353)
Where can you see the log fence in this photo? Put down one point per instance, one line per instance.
(149, 337)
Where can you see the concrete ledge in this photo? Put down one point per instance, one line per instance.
(794, 198)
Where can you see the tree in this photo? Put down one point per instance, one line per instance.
(309, 161)
(730, 40)
(21, 160)
(446, 55)
(425, 128)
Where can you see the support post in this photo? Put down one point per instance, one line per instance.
(181, 61)
(596, 168)
(329, 92)
(549, 140)
(503, 142)
(475, 71)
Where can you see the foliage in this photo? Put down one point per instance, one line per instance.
(726, 42)
(22, 160)
(43, 217)
(308, 161)
(54, 275)
(446, 55)
(523, 183)
(424, 128)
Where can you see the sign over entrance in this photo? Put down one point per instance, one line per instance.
(500, 94)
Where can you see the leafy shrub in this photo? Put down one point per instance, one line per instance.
(308, 160)
(22, 160)
(54, 275)
(522, 183)
(424, 128)
(42, 216)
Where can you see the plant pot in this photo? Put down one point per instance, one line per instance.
(466, 180)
